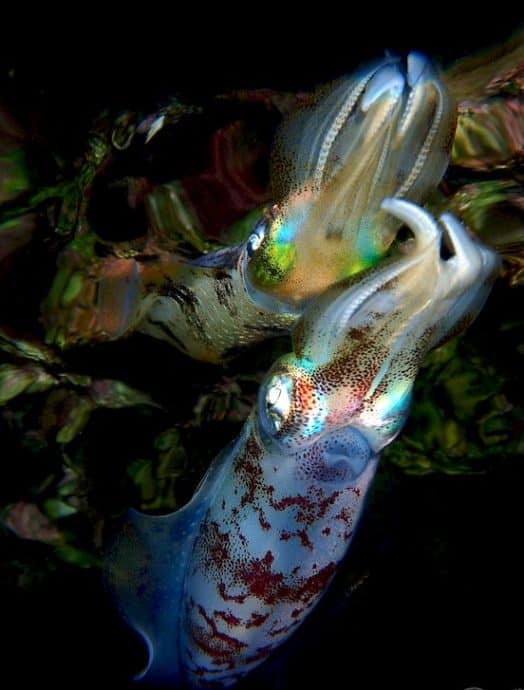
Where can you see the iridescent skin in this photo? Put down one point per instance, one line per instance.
(219, 584)
(385, 131)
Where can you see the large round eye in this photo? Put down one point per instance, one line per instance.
(276, 402)
(257, 237)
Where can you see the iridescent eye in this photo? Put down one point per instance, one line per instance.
(257, 237)
(277, 402)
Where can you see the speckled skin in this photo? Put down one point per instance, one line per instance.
(268, 547)
(216, 586)
(384, 131)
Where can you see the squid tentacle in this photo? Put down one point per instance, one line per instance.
(383, 131)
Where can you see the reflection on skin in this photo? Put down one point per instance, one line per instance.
(384, 131)
(216, 586)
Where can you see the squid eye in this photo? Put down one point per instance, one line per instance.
(277, 402)
(257, 237)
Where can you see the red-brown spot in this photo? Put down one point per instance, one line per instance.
(222, 649)
(315, 584)
(300, 534)
(263, 522)
(288, 501)
(345, 514)
(261, 582)
(249, 472)
(227, 617)
(256, 620)
(310, 508)
(214, 547)
(237, 598)
(271, 587)
(260, 653)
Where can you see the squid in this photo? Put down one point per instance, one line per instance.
(215, 587)
(384, 131)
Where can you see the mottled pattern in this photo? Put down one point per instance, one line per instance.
(267, 549)
(216, 586)
(207, 312)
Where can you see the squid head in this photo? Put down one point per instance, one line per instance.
(383, 132)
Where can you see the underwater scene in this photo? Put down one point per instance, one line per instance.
(261, 341)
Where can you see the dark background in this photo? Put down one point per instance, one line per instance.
(75, 69)
(442, 606)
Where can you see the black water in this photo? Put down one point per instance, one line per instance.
(443, 605)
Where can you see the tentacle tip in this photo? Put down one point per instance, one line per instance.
(417, 65)
(391, 204)
(422, 223)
